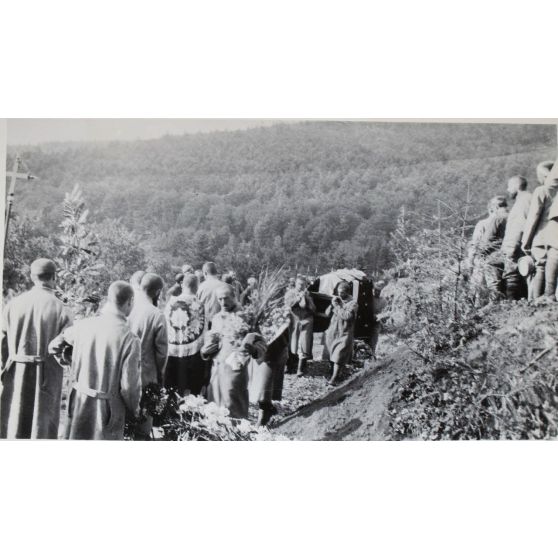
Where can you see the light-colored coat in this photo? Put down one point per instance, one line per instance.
(552, 225)
(149, 324)
(552, 232)
(537, 232)
(30, 393)
(106, 373)
(511, 245)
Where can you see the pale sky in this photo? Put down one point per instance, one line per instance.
(25, 131)
(29, 131)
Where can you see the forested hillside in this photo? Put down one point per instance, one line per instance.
(310, 195)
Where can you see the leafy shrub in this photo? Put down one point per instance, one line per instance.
(502, 386)
(88, 256)
(80, 279)
(26, 242)
(431, 302)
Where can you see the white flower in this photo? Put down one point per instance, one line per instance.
(192, 403)
(244, 426)
(212, 410)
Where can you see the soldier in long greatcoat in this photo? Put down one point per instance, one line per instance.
(105, 369)
(31, 380)
(149, 324)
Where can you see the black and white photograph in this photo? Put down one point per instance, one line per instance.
(279, 280)
(317, 237)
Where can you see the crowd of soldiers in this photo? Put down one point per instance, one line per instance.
(514, 254)
(195, 343)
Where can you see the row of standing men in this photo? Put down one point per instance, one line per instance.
(515, 254)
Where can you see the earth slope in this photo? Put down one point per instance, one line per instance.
(357, 410)
(518, 343)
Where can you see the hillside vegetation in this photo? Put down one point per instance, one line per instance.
(395, 199)
(310, 195)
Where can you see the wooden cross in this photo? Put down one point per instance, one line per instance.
(13, 176)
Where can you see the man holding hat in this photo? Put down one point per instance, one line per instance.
(105, 369)
(31, 380)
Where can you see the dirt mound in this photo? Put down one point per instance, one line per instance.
(356, 410)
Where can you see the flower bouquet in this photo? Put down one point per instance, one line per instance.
(236, 329)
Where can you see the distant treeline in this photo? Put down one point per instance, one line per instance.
(310, 196)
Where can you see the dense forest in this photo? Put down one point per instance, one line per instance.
(311, 195)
